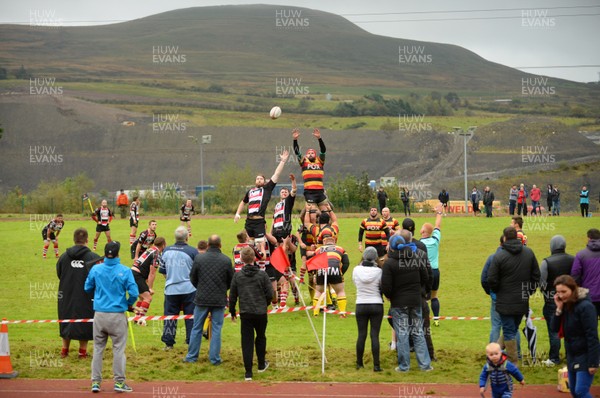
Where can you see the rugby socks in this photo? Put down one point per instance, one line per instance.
(95, 244)
(435, 308)
(190, 232)
(341, 300)
(316, 309)
(282, 299)
(131, 239)
(45, 251)
(56, 249)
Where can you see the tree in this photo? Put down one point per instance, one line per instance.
(3, 74)
(22, 73)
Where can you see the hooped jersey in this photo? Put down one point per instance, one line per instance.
(320, 232)
(103, 215)
(266, 259)
(313, 173)
(258, 198)
(334, 259)
(282, 215)
(134, 211)
(237, 256)
(146, 239)
(54, 226)
(393, 226)
(186, 211)
(373, 229)
(150, 258)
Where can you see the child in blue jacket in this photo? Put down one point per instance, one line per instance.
(500, 372)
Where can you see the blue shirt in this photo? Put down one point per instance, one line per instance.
(433, 247)
(584, 197)
(110, 282)
(177, 264)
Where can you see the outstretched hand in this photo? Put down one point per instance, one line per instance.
(285, 155)
(295, 134)
(292, 177)
(317, 133)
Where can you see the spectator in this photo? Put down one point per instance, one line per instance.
(522, 200)
(499, 370)
(72, 269)
(111, 282)
(254, 291)
(369, 306)
(513, 194)
(123, 203)
(488, 201)
(536, 195)
(513, 275)
(494, 316)
(404, 275)
(549, 196)
(179, 291)
(475, 199)
(444, 198)
(211, 276)
(405, 197)
(559, 263)
(555, 201)
(382, 198)
(584, 201)
(586, 267)
(576, 320)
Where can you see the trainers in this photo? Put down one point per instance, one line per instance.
(265, 368)
(397, 369)
(95, 386)
(436, 322)
(168, 348)
(248, 378)
(549, 363)
(122, 387)
(429, 369)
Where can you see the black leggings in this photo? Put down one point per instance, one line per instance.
(366, 313)
(253, 323)
(584, 209)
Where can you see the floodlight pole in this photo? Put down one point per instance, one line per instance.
(205, 140)
(469, 133)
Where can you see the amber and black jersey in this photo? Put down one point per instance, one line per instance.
(258, 198)
(312, 171)
(393, 226)
(320, 232)
(373, 229)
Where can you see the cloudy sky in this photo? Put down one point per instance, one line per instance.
(556, 38)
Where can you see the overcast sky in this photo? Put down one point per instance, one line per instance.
(560, 35)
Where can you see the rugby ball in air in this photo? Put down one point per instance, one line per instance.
(275, 112)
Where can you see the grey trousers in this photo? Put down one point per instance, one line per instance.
(113, 324)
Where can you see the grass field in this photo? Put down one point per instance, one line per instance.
(29, 286)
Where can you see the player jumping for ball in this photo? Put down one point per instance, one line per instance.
(313, 172)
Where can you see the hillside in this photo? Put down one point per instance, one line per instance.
(246, 46)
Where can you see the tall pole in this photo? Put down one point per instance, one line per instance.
(202, 177)
(466, 188)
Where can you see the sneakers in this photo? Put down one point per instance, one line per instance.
(397, 369)
(168, 348)
(429, 369)
(248, 378)
(549, 363)
(122, 387)
(377, 369)
(95, 386)
(265, 368)
(436, 322)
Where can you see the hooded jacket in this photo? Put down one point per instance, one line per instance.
(586, 269)
(110, 281)
(559, 263)
(367, 278)
(513, 275)
(404, 275)
(500, 375)
(253, 289)
(580, 328)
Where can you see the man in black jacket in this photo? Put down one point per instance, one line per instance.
(254, 290)
(211, 275)
(559, 263)
(488, 201)
(404, 276)
(513, 275)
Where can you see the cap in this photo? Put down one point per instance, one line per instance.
(111, 250)
(370, 254)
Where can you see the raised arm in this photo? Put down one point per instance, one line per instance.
(279, 169)
(317, 135)
(438, 216)
(294, 185)
(295, 135)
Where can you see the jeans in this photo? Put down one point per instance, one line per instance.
(250, 324)
(535, 205)
(548, 311)
(214, 352)
(496, 323)
(510, 326)
(174, 304)
(511, 206)
(580, 384)
(556, 208)
(365, 314)
(488, 211)
(409, 322)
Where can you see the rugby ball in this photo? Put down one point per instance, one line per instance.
(275, 112)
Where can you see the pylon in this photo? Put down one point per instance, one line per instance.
(6, 369)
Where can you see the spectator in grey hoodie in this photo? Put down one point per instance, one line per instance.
(369, 305)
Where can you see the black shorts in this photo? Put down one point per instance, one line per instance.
(45, 235)
(140, 282)
(132, 249)
(315, 196)
(274, 275)
(133, 223)
(184, 218)
(102, 228)
(334, 276)
(436, 279)
(255, 227)
(281, 233)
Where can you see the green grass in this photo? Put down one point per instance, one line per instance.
(29, 287)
